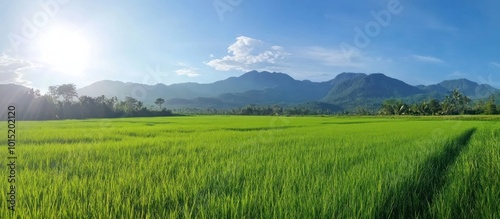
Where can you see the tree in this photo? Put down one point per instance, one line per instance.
(455, 103)
(67, 92)
(277, 110)
(478, 107)
(402, 108)
(414, 109)
(490, 107)
(53, 92)
(434, 107)
(88, 107)
(130, 105)
(394, 107)
(34, 93)
(446, 107)
(388, 107)
(106, 106)
(159, 102)
(459, 101)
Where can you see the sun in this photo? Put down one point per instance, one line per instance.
(64, 50)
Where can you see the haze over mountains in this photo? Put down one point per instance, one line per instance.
(346, 91)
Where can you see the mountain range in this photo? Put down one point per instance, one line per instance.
(346, 91)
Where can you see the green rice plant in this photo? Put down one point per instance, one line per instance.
(256, 167)
(473, 186)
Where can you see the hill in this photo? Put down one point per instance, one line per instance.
(361, 89)
(469, 88)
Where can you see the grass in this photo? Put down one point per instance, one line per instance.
(257, 167)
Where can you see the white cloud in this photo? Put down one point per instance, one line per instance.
(496, 64)
(335, 57)
(187, 71)
(11, 70)
(248, 54)
(427, 59)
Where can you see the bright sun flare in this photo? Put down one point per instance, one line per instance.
(66, 51)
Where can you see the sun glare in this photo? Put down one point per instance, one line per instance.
(65, 50)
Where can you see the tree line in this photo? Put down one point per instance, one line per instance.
(63, 102)
(310, 108)
(455, 103)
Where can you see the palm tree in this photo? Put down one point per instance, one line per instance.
(460, 101)
(456, 103)
(402, 108)
(424, 108)
(414, 110)
(490, 107)
(388, 107)
(446, 107)
(434, 106)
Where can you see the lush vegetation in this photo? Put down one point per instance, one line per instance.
(258, 167)
(308, 108)
(63, 102)
(455, 103)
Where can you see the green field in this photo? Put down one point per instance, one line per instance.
(256, 167)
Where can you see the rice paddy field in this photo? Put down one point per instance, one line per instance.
(256, 167)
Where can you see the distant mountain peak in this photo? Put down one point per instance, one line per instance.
(345, 76)
(466, 86)
(266, 76)
(460, 80)
(352, 87)
(381, 75)
(461, 84)
(257, 73)
(349, 75)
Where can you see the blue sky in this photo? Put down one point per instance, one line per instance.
(51, 42)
